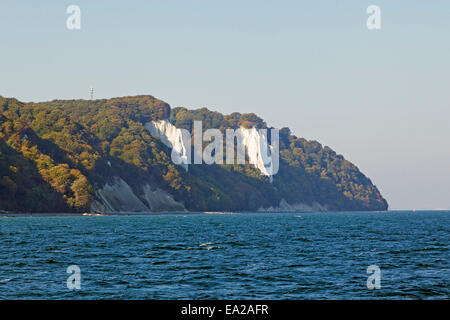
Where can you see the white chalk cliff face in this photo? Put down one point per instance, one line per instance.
(172, 137)
(117, 196)
(260, 154)
(296, 207)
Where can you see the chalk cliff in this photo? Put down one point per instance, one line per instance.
(172, 137)
(118, 196)
(116, 155)
(260, 153)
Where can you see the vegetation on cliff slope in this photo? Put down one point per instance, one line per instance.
(53, 155)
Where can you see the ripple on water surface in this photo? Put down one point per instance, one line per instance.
(236, 256)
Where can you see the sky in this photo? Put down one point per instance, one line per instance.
(380, 97)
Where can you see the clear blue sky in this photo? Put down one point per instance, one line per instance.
(380, 98)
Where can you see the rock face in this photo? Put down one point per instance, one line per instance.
(260, 154)
(159, 200)
(117, 196)
(284, 206)
(172, 137)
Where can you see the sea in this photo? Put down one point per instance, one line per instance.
(326, 255)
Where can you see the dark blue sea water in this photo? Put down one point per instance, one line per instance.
(227, 256)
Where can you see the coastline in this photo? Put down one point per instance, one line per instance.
(124, 214)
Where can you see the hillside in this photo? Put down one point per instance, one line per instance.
(100, 156)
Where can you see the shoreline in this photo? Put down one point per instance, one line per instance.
(125, 214)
